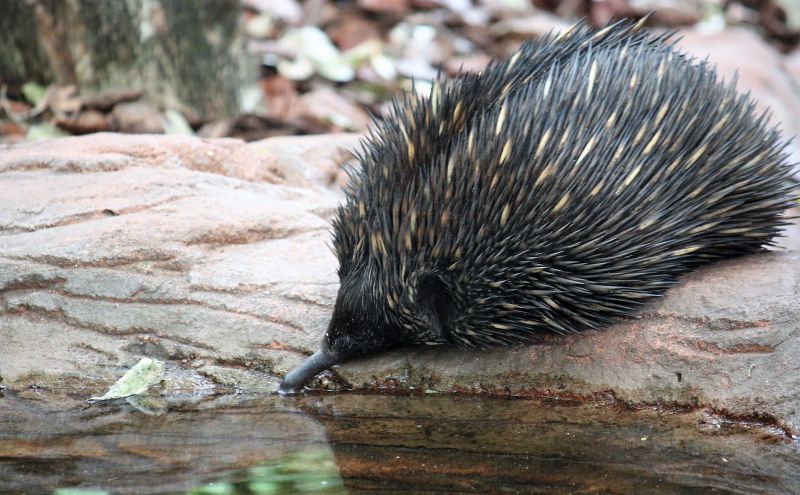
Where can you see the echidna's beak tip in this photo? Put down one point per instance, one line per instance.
(294, 380)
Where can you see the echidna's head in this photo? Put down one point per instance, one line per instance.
(361, 321)
(360, 325)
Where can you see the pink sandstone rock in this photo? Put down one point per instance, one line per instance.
(207, 255)
(760, 69)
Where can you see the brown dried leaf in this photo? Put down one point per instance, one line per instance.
(105, 100)
(85, 122)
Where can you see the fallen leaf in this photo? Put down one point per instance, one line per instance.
(106, 100)
(85, 122)
(45, 130)
(791, 10)
(33, 92)
(136, 380)
(63, 99)
(313, 45)
(176, 124)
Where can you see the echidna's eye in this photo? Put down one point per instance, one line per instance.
(435, 305)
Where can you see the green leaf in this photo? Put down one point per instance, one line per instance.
(136, 380)
(46, 130)
(33, 92)
(213, 489)
(263, 487)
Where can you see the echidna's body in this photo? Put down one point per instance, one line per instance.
(556, 191)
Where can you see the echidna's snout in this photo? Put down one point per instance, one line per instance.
(358, 328)
(294, 380)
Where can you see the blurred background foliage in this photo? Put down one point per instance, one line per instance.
(258, 68)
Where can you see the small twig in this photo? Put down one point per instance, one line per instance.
(24, 117)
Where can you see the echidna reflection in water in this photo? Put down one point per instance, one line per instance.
(554, 192)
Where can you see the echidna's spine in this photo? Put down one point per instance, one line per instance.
(417, 128)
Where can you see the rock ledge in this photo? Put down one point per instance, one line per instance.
(210, 255)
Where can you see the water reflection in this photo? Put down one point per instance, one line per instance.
(463, 444)
(306, 471)
(344, 443)
(46, 445)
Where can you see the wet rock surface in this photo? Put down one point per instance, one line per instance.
(205, 254)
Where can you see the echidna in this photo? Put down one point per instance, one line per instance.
(556, 191)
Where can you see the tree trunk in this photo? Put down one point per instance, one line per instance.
(185, 54)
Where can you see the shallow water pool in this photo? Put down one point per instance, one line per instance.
(344, 443)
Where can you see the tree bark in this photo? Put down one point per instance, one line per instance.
(184, 54)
